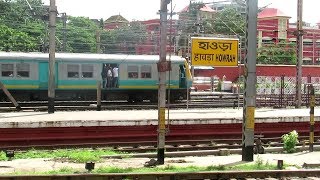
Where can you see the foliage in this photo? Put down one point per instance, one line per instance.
(18, 11)
(189, 18)
(228, 21)
(77, 155)
(123, 39)
(168, 168)
(259, 164)
(277, 54)
(289, 141)
(81, 34)
(219, 86)
(13, 40)
(22, 28)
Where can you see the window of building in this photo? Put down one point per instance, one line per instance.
(87, 71)
(7, 70)
(23, 70)
(145, 71)
(133, 72)
(73, 70)
(282, 28)
(266, 41)
(307, 42)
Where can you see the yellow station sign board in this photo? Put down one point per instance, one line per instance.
(214, 51)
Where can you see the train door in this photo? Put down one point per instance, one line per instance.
(110, 75)
(43, 75)
(182, 79)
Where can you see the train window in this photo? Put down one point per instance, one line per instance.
(133, 72)
(145, 71)
(73, 70)
(7, 70)
(23, 70)
(87, 71)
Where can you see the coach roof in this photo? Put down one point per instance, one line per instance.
(112, 58)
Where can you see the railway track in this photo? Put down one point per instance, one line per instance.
(196, 101)
(279, 174)
(171, 146)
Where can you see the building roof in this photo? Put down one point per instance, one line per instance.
(271, 12)
(205, 8)
(116, 18)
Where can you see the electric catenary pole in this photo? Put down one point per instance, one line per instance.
(250, 81)
(163, 67)
(52, 50)
(64, 31)
(299, 34)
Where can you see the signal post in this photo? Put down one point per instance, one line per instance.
(250, 81)
(52, 51)
(163, 67)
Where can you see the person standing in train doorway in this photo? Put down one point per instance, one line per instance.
(104, 76)
(115, 72)
(109, 77)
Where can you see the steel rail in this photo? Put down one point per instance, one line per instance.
(174, 175)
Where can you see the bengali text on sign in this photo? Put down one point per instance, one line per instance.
(214, 52)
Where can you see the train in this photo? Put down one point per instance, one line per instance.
(77, 76)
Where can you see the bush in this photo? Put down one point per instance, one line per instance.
(289, 141)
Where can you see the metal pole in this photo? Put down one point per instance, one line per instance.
(163, 66)
(239, 68)
(64, 21)
(250, 81)
(299, 54)
(5, 90)
(198, 22)
(312, 104)
(52, 51)
(98, 41)
(99, 96)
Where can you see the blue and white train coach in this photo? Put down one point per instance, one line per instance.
(25, 75)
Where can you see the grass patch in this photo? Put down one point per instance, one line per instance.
(259, 164)
(168, 168)
(71, 155)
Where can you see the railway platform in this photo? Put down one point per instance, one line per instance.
(149, 117)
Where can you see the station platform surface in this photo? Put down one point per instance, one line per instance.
(148, 117)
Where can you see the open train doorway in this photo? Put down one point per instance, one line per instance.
(110, 75)
(182, 79)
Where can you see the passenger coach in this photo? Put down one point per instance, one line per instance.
(26, 76)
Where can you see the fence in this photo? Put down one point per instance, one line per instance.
(272, 91)
(280, 91)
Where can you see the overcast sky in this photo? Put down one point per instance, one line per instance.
(147, 9)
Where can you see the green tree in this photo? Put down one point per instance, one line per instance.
(15, 12)
(13, 40)
(282, 53)
(228, 21)
(123, 39)
(188, 20)
(19, 17)
(81, 34)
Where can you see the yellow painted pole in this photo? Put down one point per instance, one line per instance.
(312, 104)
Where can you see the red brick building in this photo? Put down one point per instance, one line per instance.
(152, 44)
(114, 22)
(274, 27)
